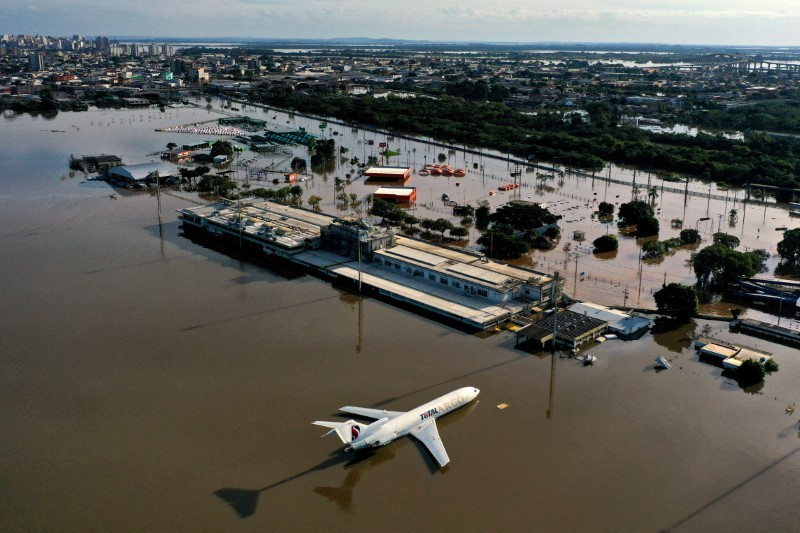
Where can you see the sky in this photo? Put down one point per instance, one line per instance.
(725, 22)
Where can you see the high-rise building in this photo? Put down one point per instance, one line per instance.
(36, 61)
(101, 44)
(179, 66)
(169, 50)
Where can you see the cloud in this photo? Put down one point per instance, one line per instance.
(693, 21)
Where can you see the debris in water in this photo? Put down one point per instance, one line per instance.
(502, 406)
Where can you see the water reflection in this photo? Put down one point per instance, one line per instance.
(245, 501)
(606, 256)
(343, 494)
(678, 339)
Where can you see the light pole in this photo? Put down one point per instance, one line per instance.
(699, 220)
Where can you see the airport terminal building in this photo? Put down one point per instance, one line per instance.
(452, 283)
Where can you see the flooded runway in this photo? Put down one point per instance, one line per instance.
(150, 383)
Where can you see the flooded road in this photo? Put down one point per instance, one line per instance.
(574, 197)
(150, 383)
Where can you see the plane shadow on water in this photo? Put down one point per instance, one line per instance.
(245, 501)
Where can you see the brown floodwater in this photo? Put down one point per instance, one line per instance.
(148, 382)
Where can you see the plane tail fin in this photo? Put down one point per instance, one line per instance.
(347, 431)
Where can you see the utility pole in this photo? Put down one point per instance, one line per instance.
(575, 292)
(359, 260)
(555, 293)
(626, 293)
(158, 194)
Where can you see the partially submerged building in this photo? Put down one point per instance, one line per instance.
(571, 329)
(625, 325)
(459, 286)
(731, 356)
(388, 174)
(94, 163)
(397, 194)
(139, 175)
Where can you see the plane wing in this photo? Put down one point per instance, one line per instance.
(428, 435)
(366, 412)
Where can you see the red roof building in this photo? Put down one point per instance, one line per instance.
(397, 195)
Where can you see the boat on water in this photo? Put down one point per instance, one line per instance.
(662, 363)
(436, 172)
(459, 173)
(587, 359)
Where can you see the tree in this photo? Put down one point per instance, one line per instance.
(606, 243)
(677, 301)
(380, 207)
(750, 372)
(523, 217)
(605, 209)
(653, 194)
(426, 224)
(171, 146)
(314, 202)
(690, 236)
(653, 249)
(717, 264)
(499, 242)
(297, 193)
(599, 114)
(221, 148)
(442, 158)
(647, 226)
(482, 217)
(789, 248)
(218, 185)
(631, 212)
(459, 232)
(298, 164)
(728, 241)
(441, 225)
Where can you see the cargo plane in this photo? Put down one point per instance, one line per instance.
(420, 423)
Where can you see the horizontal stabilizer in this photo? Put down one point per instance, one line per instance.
(367, 412)
(347, 431)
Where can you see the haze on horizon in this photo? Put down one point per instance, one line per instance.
(723, 22)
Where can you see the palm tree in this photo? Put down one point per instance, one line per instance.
(653, 194)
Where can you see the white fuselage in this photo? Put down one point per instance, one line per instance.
(384, 431)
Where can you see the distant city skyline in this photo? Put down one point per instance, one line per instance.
(706, 22)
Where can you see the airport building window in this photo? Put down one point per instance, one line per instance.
(432, 277)
(443, 281)
(483, 292)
